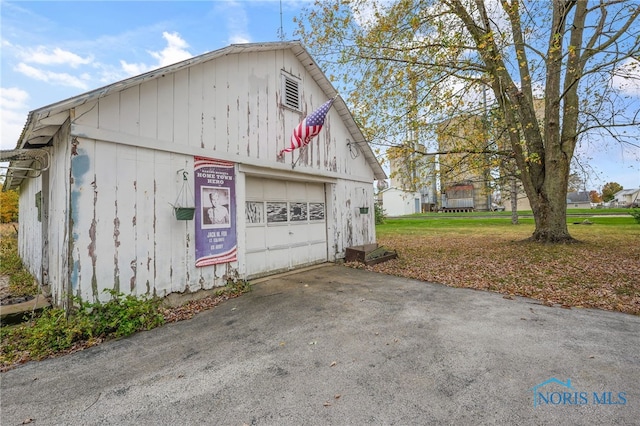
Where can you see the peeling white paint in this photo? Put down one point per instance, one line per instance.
(114, 175)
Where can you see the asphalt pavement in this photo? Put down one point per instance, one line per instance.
(339, 346)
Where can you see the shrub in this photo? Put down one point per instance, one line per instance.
(636, 214)
(21, 282)
(54, 331)
(380, 214)
(122, 315)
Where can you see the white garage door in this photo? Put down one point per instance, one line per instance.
(286, 225)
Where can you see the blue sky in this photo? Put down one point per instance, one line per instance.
(55, 50)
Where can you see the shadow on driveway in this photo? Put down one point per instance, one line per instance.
(334, 345)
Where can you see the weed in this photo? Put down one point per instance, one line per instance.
(237, 287)
(53, 331)
(21, 282)
(123, 315)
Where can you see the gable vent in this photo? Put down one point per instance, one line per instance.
(291, 89)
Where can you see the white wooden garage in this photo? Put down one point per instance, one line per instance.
(97, 207)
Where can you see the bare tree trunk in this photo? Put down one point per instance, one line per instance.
(550, 209)
(513, 183)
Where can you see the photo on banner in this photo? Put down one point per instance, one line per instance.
(215, 193)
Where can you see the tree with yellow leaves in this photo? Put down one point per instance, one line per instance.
(410, 65)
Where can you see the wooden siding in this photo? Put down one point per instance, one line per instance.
(125, 237)
(29, 228)
(226, 108)
(351, 227)
(43, 245)
(117, 167)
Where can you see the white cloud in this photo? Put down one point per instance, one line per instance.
(63, 79)
(43, 56)
(626, 77)
(111, 73)
(13, 98)
(133, 69)
(175, 51)
(13, 109)
(237, 22)
(238, 39)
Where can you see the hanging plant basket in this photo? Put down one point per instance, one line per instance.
(364, 210)
(184, 213)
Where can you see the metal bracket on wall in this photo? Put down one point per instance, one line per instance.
(25, 162)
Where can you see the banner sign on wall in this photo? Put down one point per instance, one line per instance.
(215, 218)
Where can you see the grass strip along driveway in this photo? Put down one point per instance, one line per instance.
(489, 253)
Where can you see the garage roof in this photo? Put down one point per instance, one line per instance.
(44, 122)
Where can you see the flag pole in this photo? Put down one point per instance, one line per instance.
(293, 166)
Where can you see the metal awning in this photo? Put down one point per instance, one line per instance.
(23, 164)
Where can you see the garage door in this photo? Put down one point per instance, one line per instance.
(286, 225)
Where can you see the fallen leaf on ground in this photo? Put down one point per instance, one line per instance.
(564, 275)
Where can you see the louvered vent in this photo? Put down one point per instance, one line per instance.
(291, 93)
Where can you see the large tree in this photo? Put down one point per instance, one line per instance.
(545, 67)
(609, 190)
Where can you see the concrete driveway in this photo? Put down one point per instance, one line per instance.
(338, 346)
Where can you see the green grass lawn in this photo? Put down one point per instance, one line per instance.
(498, 223)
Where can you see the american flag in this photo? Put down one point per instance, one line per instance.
(308, 128)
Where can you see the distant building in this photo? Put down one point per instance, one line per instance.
(578, 200)
(522, 202)
(627, 197)
(412, 170)
(464, 176)
(398, 202)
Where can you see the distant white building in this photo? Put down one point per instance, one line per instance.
(626, 197)
(398, 202)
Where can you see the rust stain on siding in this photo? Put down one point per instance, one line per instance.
(188, 244)
(134, 263)
(132, 280)
(116, 230)
(155, 240)
(266, 127)
(135, 206)
(92, 245)
(116, 243)
(249, 130)
(201, 131)
(349, 223)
